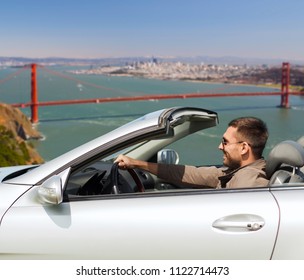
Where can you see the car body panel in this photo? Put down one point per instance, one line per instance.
(8, 196)
(165, 226)
(290, 242)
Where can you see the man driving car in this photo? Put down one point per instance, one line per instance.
(243, 164)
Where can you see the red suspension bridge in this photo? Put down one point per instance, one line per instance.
(34, 103)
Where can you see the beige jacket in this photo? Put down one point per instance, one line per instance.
(252, 175)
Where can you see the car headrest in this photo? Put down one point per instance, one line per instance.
(301, 141)
(287, 152)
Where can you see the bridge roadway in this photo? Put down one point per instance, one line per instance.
(149, 97)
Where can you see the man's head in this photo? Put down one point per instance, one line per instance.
(244, 141)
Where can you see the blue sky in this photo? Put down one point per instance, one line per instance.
(114, 28)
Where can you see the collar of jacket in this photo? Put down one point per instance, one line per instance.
(229, 173)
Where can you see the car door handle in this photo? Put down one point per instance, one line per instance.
(239, 222)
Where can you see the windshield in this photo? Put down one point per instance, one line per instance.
(123, 151)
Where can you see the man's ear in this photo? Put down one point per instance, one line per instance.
(245, 148)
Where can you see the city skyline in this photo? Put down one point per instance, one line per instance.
(270, 29)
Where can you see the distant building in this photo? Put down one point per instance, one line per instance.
(154, 60)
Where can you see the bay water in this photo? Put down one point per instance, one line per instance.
(66, 127)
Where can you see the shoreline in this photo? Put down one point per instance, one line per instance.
(190, 80)
(257, 76)
(212, 74)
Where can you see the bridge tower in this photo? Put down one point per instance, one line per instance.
(34, 94)
(285, 85)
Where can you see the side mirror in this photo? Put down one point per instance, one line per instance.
(168, 156)
(51, 191)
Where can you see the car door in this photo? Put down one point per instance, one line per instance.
(290, 241)
(200, 224)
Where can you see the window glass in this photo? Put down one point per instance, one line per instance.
(200, 148)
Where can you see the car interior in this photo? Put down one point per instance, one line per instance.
(285, 163)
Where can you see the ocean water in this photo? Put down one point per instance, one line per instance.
(66, 127)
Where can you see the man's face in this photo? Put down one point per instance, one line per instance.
(231, 148)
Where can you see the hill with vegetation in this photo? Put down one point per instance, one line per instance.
(16, 133)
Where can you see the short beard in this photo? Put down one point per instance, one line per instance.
(232, 164)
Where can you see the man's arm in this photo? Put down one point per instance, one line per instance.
(125, 162)
(177, 174)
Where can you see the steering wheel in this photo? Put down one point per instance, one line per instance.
(112, 184)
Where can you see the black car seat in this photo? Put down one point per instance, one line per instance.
(284, 162)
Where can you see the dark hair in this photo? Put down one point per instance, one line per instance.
(252, 130)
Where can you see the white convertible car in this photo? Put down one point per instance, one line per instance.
(80, 206)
